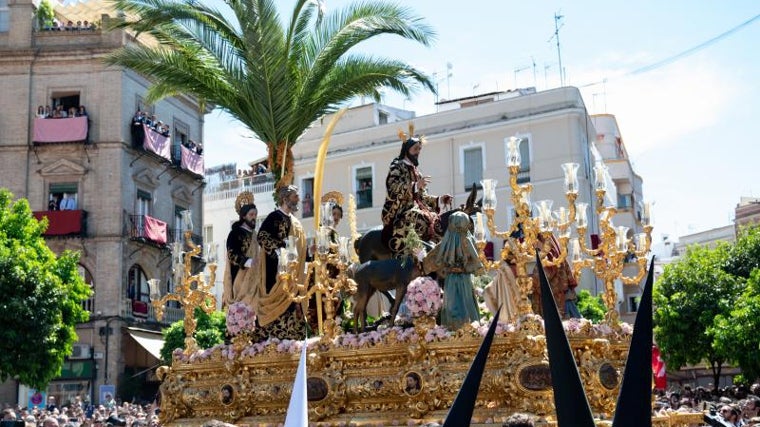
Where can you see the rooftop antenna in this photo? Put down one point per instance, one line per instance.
(534, 70)
(517, 70)
(449, 67)
(557, 26)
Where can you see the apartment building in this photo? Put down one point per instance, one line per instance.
(113, 194)
(467, 142)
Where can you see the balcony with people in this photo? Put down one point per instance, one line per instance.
(226, 183)
(61, 124)
(64, 217)
(152, 135)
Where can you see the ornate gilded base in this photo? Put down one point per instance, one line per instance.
(378, 378)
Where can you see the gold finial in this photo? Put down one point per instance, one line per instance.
(334, 196)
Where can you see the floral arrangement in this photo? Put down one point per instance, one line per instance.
(395, 334)
(240, 318)
(424, 297)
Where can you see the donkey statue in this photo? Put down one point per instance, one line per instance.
(379, 271)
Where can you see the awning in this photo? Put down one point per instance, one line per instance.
(150, 341)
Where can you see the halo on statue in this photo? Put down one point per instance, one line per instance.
(333, 196)
(244, 198)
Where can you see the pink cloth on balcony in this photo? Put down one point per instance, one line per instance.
(192, 161)
(157, 143)
(155, 230)
(60, 130)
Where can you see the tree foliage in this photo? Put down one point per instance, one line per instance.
(42, 298)
(276, 76)
(744, 255)
(210, 331)
(737, 333)
(591, 307)
(688, 296)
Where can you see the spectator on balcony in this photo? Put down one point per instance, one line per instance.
(79, 26)
(41, 112)
(72, 112)
(154, 122)
(261, 169)
(82, 111)
(70, 26)
(48, 113)
(52, 204)
(68, 203)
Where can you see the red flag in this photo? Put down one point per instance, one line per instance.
(658, 369)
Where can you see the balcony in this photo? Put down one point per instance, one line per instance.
(146, 229)
(140, 311)
(61, 131)
(226, 190)
(64, 223)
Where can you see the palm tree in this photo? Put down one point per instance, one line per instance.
(277, 81)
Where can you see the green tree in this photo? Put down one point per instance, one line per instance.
(744, 255)
(276, 80)
(688, 296)
(42, 298)
(45, 14)
(736, 333)
(591, 307)
(209, 332)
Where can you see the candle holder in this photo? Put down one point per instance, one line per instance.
(528, 233)
(615, 248)
(330, 252)
(192, 291)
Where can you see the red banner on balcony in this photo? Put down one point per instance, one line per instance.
(192, 161)
(62, 223)
(60, 130)
(157, 143)
(155, 230)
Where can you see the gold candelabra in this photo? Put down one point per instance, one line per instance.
(331, 250)
(615, 248)
(192, 290)
(529, 233)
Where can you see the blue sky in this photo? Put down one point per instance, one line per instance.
(691, 126)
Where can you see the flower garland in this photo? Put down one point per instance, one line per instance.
(424, 297)
(240, 318)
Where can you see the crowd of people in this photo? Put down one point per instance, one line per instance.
(151, 121)
(258, 169)
(55, 25)
(734, 406)
(59, 112)
(81, 413)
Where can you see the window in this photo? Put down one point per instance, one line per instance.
(181, 137)
(142, 207)
(382, 118)
(472, 166)
(625, 201)
(633, 303)
(208, 234)
(179, 223)
(307, 199)
(363, 182)
(142, 106)
(525, 157)
(63, 102)
(137, 284)
(5, 15)
(62, 196)
(89, 303)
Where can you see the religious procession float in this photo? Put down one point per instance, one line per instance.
(411, 374)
